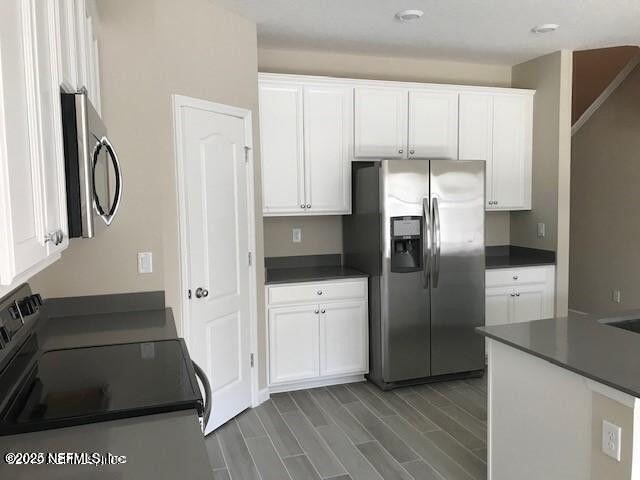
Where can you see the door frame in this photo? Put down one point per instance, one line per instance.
(177, 102)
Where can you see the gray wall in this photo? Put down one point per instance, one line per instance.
(550, 76)
(605, 194)
(324, 235)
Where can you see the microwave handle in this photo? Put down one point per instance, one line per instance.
(110, 215)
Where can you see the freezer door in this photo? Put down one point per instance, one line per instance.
(458, 265)
(404, 199)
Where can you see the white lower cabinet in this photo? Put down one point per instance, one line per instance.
(320, 340)
(519, 294)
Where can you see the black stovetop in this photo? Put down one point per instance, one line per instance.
(61, 388)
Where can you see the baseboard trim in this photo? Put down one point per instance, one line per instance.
(315, 383)
(261, 396)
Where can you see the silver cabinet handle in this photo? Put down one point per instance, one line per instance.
(202, 292)
(437, 243)
(308, 205)
(54, 237)
(426, 242)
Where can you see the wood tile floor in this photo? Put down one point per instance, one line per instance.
(358, 432)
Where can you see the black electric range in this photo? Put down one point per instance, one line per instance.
(61, 388)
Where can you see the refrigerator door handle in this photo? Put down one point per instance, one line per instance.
(436, 241)
(426, 242)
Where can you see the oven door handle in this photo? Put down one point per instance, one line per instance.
(207, 394)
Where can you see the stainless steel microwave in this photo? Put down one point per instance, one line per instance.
(93, 174)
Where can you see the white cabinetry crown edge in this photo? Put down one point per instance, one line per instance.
(319, 80)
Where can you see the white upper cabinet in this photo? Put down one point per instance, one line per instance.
(512, 150)
(282, 144)
(38, 58)
(327, 148)
(380, 123)
(497, 128)
(306, 134)
(433, 125)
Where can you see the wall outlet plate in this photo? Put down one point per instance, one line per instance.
(542, 230)
(616, 296)
(611, 440)
(145, 262)
(296, 234)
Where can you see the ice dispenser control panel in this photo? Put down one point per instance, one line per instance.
(406, 244)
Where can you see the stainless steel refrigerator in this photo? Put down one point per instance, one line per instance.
(417, 229)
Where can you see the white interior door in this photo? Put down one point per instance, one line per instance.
(215, 181)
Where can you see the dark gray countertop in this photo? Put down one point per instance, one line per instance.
(505, 256)
(582, 344)
(164, 446)
(307, 268)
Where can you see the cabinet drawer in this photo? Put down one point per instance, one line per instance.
(316, 292)
(516, 276)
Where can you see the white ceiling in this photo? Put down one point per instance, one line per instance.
(486, 31)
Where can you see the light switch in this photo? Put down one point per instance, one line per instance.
(297, 235)
(611, 439)
(145, 262)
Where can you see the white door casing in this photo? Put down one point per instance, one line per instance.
(216, 209)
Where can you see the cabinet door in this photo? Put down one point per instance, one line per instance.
(511, 153)
(433, 125)
(475, 135)
(282, 143)
(343, 338)
(293, 343)
(498, 306)
(380, 123)
(328, 128)
(21, 204)
(68, 45)
(530, 302)
(49, 115)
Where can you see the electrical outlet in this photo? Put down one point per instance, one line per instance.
(611, 440)
(542, 230)
(145, 262)
(615, 296)
(296, 234)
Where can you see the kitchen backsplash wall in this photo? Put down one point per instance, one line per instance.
(322, 235)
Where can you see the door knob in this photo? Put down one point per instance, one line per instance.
(202, 292)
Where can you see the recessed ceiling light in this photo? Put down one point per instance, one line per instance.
(545, 28)
(409, 15)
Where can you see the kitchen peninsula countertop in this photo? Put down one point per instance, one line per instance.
(165, 446)
(584, 344)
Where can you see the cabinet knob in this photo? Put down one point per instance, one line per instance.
(515, 277)
(302, 206)
(412, 152)
(319, 292)
(517, 294)
(513, 294)
(308, 205)
(323, 311)
(400, 151)
(54, 237)
(316, 311)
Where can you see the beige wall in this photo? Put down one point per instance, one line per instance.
(603, 466)
(605, 219)
(150, 50)
(328, 231)
(550, 76)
